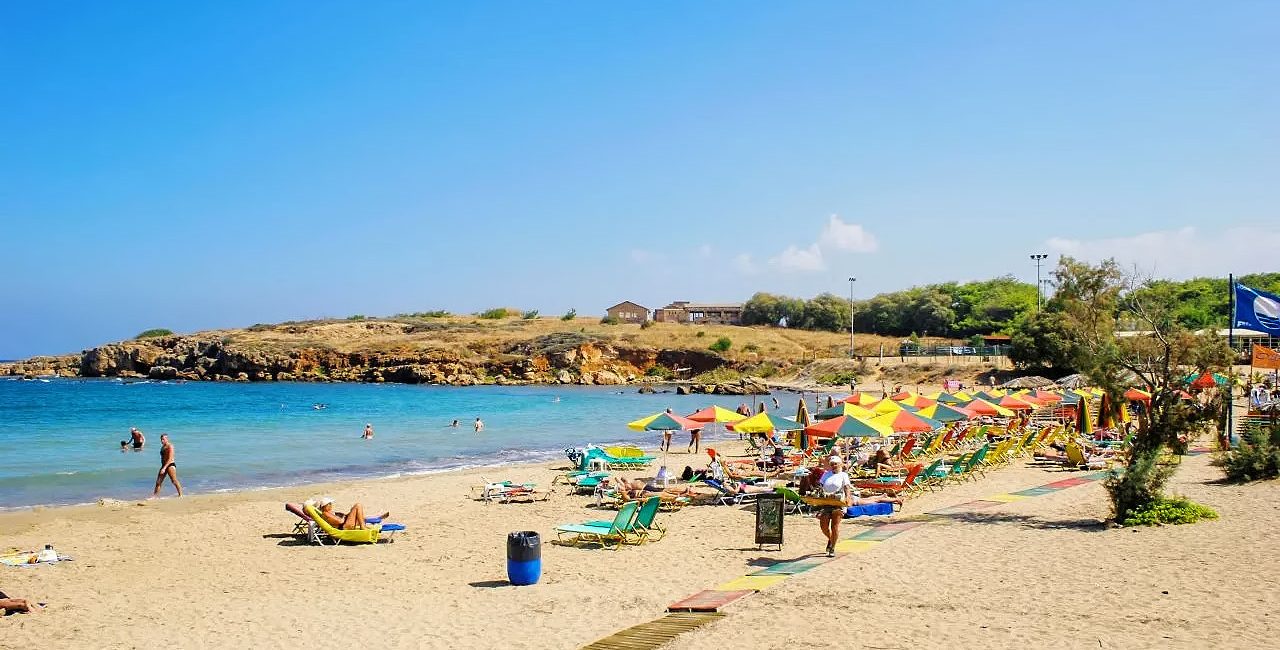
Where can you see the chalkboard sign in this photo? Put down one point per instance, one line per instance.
(769, 517)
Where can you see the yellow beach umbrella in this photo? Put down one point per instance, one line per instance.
(918, 401)
(766, 422)
(983, 407)
(860, 399)
(890, 406)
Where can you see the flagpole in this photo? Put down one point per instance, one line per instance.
(1231, 343)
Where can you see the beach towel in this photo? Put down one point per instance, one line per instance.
(24, 559)
(869, 510)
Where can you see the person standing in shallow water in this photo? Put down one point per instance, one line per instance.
(168, 466)
(368, 431)
(479, 425)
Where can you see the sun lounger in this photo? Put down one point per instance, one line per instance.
(729, 497)
(792, 501)
(616, 532)
(895, 483)
(1076, 459)
(507, 492)
(361, 536)
(646, 519)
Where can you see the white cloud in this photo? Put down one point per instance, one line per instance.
(744, 264)
(800, 259)
(1182, 253)
(851, 237)
(836, 237)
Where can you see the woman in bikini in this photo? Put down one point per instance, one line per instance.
(352, 520)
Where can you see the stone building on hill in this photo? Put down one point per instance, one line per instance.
(683, 311)
(628, 312)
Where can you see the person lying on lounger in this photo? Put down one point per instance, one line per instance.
(15, 605)
(745, 488)
(638, 489)
(1057, 452)
(352, 520)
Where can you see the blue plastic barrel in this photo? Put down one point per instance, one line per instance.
(524, 557)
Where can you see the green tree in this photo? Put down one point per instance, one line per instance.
(826, 312)
(770, 309)
(1092, 299)
(1042, 340)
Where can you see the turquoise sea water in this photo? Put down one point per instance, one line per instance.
(61, 440)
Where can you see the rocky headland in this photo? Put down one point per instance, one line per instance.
(394, 351)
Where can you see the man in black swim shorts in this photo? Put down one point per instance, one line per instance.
(168, 467)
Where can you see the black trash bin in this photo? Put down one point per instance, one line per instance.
(524, 557)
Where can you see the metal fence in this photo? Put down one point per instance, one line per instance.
(951, 351)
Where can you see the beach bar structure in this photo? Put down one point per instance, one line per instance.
(683, 311)
(628, 312)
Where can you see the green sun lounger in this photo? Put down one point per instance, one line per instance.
(646, 520)
(619, 531)
(792, 500)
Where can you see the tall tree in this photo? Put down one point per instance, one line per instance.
(1092, 300)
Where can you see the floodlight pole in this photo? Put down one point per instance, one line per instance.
(851, 281)
(1038, 258)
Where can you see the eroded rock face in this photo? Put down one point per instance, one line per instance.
(564, 358)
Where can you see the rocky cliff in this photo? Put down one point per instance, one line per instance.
(555, 358)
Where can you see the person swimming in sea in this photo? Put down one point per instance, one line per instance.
(136, 439)
(454, 425)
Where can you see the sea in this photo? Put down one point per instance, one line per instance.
(61, 437)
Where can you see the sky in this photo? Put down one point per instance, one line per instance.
(203, 165)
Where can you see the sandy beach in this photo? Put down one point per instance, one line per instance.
(222, 570)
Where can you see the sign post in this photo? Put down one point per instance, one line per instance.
(770, 511)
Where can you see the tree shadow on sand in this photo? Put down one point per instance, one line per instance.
(766, 562)
(1086, 524)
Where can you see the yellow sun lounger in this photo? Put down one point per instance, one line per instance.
(361, 536)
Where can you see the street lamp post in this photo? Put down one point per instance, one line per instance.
(851, 281)
(1038, 257)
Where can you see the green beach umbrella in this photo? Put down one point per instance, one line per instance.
(664, 422)
(849, 427)
(845, 408)
(943, 413)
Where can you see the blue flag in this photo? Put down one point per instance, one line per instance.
(1257, 310)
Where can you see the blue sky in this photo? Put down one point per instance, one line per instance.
(197, 166)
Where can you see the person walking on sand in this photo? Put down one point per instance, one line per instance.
(834, 484)
(368, 431)
(479, 425)
(168, 466)
(695, 435)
